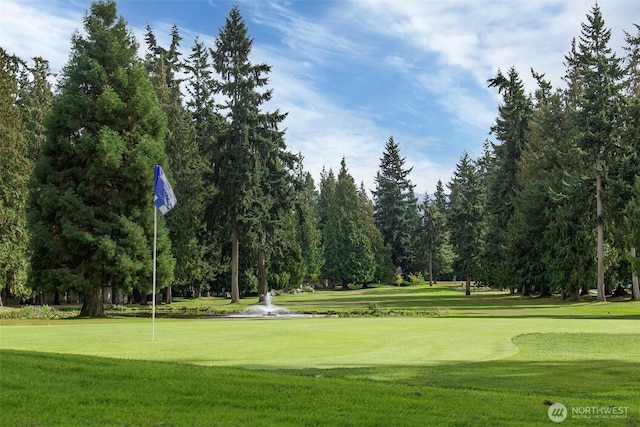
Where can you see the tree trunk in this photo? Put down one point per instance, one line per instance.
(601, 288)
(92, 305)
(262, 273)
(235, 255)
(467, 289)
(430, 268)
(545, 291)
(169, 298)
(574, 293)
(635, 288)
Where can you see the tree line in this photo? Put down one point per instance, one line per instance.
(552, 205)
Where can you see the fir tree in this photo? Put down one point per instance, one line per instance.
(597, 113)
(249, 158)
(348, 254)
(510, 130)
(91, 214)
(196, 256)
(395, 207)
(465, 219)
(16, 167)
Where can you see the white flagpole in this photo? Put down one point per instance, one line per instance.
(153, 297)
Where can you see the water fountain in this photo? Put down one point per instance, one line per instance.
(267, 309)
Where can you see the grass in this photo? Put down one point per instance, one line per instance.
(492, 363)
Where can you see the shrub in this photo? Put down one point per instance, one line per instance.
(38, 312)
(416, 278)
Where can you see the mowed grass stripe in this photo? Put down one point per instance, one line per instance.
(297, 343)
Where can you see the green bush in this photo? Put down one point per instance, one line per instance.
(416, 278)
(38, 312)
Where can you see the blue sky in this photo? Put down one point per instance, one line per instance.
(351, 74)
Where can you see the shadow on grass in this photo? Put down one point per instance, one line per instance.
(75, 390)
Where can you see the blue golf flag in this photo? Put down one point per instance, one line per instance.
(164, 199)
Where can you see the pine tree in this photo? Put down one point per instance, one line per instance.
(434, 235)
(395, 207)
(597, 113)
(443, 261)
(34, 101)
(629, 156)
(384, 269)
(249, 157)
(16, 167)
(348, 254)
(91, 211)
(632, 223)
(510, 130)
(307, 225)
(195, 253)
(465, 219)
(541, 177)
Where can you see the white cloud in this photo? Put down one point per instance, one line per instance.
(482, 36)
(30, 29)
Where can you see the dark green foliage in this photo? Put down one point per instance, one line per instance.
(510, 130)
(196, 256)
(91, 214)
(348, 254)
(465, 218)
(597, 114)
(34, 101)
(434, 234)
(632, 224)
(15, 167)
(307, 226)
(251, 166)
(628, 158)
(540, 175)
(384, 269)
(395, 208)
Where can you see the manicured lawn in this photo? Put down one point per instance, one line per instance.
(493, 363)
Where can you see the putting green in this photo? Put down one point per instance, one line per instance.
(299, 343)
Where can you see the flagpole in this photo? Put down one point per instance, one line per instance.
(164, 200)
(153, 297)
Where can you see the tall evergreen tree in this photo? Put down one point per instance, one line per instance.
(395, 207)
(34, 101)
(598, 112)
(384, 269)
(443, 261)
(629, 157)
(548, 222)
(250, 145)
(91, 214)
(348, 254)
(307, 225)
(465, 220)
(276, 200)
(632, 223)
(510, 130)
(434, 235)
(16, 167)
(196, 258)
